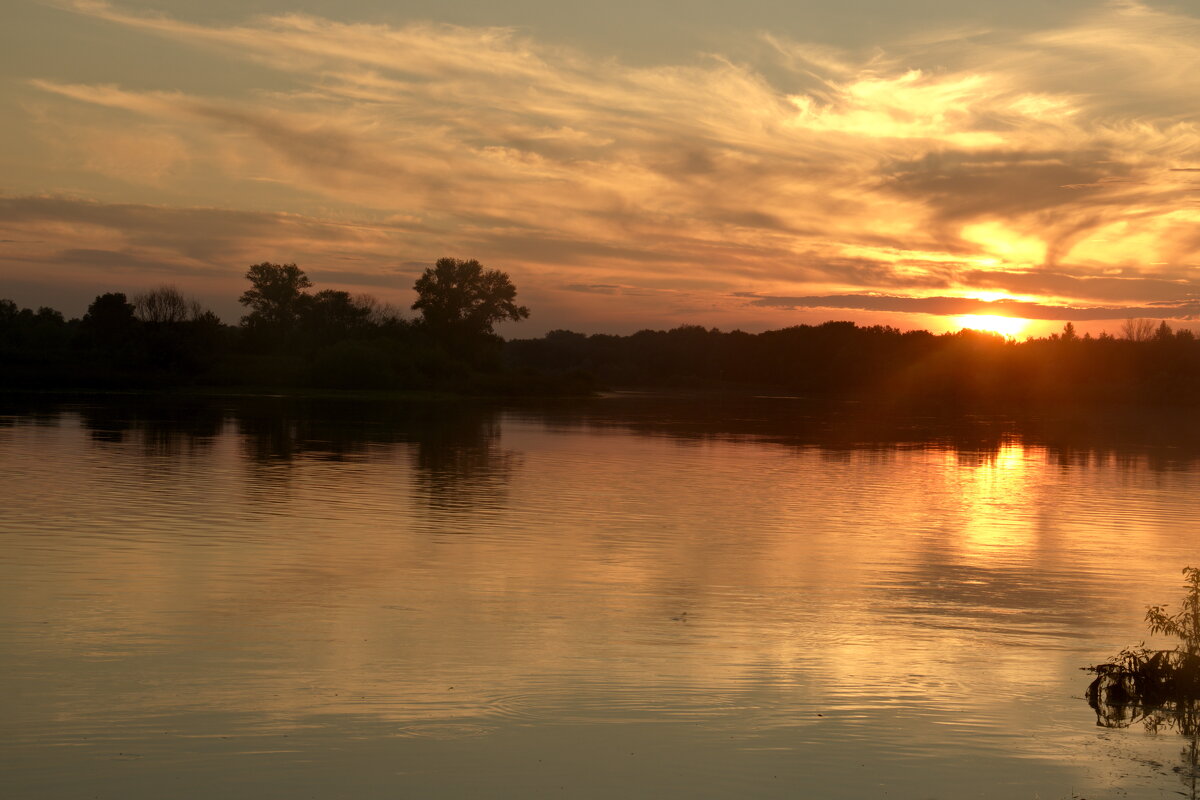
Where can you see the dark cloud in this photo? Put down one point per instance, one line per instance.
(754, 219)
(196, 233)
(389, 279)
(203, 234)
(324, 150)
(961, 185)
(549, 248)
(1064, 196)
(593, 288)
(113, 262)
(206, 249)
(1134, 288)
(955, 306)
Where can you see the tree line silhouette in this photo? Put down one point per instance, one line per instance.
(290, 337)
(1148, 362)
(293, 336)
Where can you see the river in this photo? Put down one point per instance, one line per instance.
(632, 596)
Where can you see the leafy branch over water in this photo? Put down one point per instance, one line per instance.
(1185, 625)
(1157, 687)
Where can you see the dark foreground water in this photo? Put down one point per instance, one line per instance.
(621, 598)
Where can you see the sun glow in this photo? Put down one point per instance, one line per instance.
(988, 296)
(1005, 326)
(1004, 246)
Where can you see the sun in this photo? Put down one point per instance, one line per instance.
(992, 323)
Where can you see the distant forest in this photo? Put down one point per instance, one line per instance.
(1148, 364)
(293, 338)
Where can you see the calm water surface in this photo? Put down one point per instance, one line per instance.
(623, 598)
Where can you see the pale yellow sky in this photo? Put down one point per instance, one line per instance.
(644, 167)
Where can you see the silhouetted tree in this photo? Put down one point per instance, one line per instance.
(110, 322)
(35, 347)
(166, 305)
(179, 335)
(462, 300)
(381, 315)
(1137, 330)
(330, 316)
(276, 299)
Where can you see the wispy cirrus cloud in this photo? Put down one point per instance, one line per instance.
(1056, 166)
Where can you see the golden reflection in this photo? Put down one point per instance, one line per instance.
(993, 490)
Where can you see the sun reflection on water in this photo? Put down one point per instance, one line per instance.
(994, 488)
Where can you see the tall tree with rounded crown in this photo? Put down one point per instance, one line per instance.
(276, 298)
(462, 301)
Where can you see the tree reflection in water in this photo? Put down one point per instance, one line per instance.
(1182, 717)
(456, 451)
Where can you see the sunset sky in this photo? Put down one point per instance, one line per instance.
(629, 164)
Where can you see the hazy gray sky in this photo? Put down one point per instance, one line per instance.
(629, 163)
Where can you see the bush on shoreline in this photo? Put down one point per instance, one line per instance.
(1156, 687)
